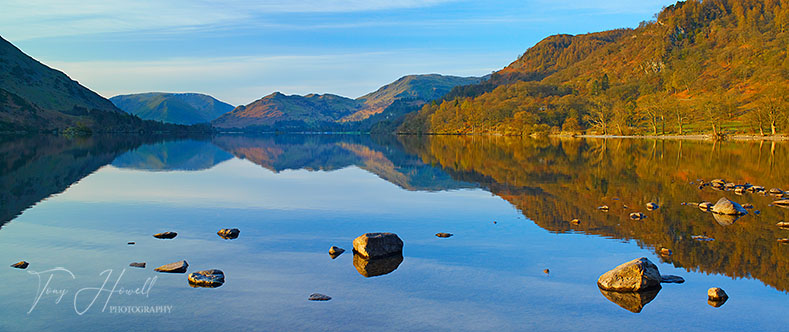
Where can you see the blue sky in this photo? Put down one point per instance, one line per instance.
(239, 51)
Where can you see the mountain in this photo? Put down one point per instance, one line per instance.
(179, 108)
(715, 66)
(36, 98)
(278, 112)
(181, 155)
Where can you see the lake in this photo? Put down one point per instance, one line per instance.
(70, 207)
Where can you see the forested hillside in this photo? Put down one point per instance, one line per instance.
(699, 67)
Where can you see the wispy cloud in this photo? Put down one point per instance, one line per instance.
(50, 18)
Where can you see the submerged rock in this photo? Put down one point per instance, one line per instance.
(228, 233)
(575, 222)
(177, 267)
(637, 275)
(165, 235)
(206, 278)
(716, 294)
(319, 297)
(335, 252)
(651, 206)
(727, 207)
(783, 224)
(775, 191)
(631, 301)
(671, 279)
(603, 208)
(20, 265)
(140, 265)
(444, 235)
(783, 241)
(748, 206)
(372, 245)
(376, 266)
(637, 216)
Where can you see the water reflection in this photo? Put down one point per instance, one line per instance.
(631, 301)
(376, 266)
(550, 181)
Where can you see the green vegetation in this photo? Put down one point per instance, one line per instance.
(178, 108)
(700, 67)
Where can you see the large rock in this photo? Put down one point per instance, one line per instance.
(376, 266)
(716, 294)
(206, 278)
(177, 267)
(637, 275)
(727, 207)
(228, 233)
(373, 245)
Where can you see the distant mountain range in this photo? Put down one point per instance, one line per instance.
(279, 112)
(36, 98)
(179, 108)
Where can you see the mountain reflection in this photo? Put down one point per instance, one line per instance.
(552, 181)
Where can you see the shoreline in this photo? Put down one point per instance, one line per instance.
(686, 137)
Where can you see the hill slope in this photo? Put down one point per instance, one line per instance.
(36, 98)
(179, 108)
(700, 67)
(278, 112)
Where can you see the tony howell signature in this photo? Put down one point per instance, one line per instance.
(85, 298)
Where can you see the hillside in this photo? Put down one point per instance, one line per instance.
(278, 112)
(713, 67)
(179, 108)
(36, 98)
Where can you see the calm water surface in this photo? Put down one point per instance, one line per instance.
(72, 206)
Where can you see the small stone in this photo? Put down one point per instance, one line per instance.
(165, 235)
(705, 206)
(20, 265)
(130, 243)
(546, 271)
(335, 252)
(748, 206)
(757, 212)
(775, 191)
(575, 222)
(637, 216)
(206, 278)
(783, 224)
(444, 235)
(739, 190)
(671, 279)
(783, 241)
(228, 233)
(652, 206)
(730, 185)
(665, 251)
(603, 208)
(781, 203)
(702, 238)
(140, 265)
(718, 182)
(319, 297)
(717, 294)
(177, 267)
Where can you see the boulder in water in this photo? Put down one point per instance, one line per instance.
(727, 207)
(373, 245)
(716, 294)
(637, 275)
